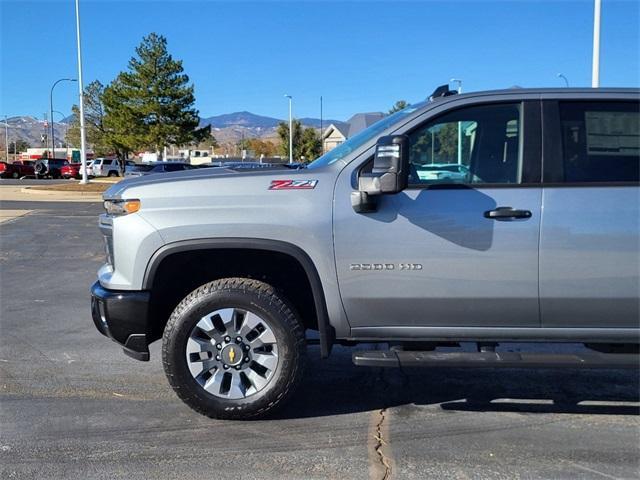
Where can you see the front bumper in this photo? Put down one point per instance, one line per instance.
(123, 316)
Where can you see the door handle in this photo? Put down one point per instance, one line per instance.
(504, 213)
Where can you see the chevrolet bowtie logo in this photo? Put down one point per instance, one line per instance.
(232, 355)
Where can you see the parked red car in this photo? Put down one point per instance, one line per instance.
(71, 170)
(25, 167)
(7, 170)
(17, 169)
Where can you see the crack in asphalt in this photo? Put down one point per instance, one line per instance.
(379, 445)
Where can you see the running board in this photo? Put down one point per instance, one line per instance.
(398, 358)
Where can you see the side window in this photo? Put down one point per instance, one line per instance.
(600, 141)
(472, 145)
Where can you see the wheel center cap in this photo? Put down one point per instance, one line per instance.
(232, 355)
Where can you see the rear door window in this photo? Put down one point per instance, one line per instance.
(600, 141)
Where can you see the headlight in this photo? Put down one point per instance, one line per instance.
(121, 207)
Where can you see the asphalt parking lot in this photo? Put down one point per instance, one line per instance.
(73, 406)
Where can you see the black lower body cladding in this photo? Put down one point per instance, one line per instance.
(123, 316)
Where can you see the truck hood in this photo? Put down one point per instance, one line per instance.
(172, 178)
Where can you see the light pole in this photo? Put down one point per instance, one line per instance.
(6, 138)
(595, 67)
(53, 142)
(566, 82)
(83, 149)
(459, 82)
(290, 130)
(60, 113)
(321, 131)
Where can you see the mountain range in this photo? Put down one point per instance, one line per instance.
(251, 120)
(227, 128)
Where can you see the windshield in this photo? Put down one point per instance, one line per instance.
(363, 137)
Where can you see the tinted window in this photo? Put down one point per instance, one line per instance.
(471, 145)
(600, 141)
(173, 167)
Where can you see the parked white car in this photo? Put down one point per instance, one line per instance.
(105, 167)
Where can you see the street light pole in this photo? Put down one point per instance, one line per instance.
(321, 131)
(459, 82)
(595, 67)
(53, 142)
(83, 150)
(290, 130)
(560, 75)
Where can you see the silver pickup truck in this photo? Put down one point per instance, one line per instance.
(487, 217)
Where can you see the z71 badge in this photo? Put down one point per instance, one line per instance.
(293, 184)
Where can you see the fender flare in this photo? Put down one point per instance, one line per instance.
(325, 330)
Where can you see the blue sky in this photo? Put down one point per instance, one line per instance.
(360, 56)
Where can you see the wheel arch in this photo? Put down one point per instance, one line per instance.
(256, 245)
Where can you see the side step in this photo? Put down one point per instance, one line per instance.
(397, 358)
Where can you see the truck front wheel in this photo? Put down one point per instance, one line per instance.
(234, 349)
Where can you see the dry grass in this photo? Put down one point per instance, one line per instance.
(74, 187)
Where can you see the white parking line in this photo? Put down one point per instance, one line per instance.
(6, 215)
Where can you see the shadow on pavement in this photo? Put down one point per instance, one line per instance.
(335, 386)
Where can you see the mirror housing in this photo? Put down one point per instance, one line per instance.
(390, 173)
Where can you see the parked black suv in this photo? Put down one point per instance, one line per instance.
(49, 167)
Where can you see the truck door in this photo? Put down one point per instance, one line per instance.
(590, 233)
(459, 247)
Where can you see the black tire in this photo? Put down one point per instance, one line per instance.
(40, 169)
(113, 174)
(15, 175)
(251, 295)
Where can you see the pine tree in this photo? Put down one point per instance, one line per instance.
(151, 106)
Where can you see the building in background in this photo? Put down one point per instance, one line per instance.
(68, 153)
(335, 134)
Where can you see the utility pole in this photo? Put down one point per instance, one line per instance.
(290, 130)
(595, 68)
(83, 147)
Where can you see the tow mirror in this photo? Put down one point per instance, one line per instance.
(390, 173)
